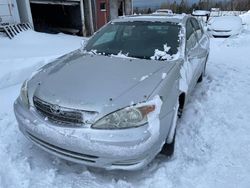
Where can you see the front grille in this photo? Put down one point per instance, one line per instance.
(58, 114)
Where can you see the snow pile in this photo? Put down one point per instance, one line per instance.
(28, 49)
(246, 18)
(121, 55)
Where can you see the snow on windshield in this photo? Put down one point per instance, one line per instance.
(164, 55)
(137, 39)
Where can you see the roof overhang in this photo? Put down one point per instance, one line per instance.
(56, 2)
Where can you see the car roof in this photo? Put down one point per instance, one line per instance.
(173, 18)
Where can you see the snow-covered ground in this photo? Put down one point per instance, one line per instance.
(32, 50)
(213, 136)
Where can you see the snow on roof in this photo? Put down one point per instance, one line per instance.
(164, 11)
(200, 12)
(175, 18)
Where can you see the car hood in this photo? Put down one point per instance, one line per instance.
(226, 23)
(91, 82)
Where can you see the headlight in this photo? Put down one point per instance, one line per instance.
(24, 94)
(126, 118)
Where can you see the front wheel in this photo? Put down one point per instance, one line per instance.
(168, 149)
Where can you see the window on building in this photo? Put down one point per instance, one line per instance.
(103, 6)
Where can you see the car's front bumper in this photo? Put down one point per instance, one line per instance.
(217, 33)
(127, 149)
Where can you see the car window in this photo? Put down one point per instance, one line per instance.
(138, 39)
(197, 27)
(189, 29)
(190, 35)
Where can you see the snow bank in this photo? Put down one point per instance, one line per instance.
(246, 18)
(12, 73)
(28, 49)
(30, 44)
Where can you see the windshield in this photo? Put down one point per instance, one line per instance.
(139, 39)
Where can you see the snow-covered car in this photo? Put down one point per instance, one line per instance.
(200, 13)
(163, 11)
(114, 103)
(225, 26)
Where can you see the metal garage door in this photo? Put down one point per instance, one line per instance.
(55, 16)
(56, 2)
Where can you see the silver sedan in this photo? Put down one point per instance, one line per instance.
(114, 103)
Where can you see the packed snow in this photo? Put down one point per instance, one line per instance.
(212, 143)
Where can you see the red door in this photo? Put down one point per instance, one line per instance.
(102, 12)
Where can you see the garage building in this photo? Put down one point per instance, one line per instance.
(80, 17)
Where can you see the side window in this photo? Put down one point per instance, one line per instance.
(189, 29)
(190, 36)
(197, 28)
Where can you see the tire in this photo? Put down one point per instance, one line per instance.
(200, 79)
(168, 149)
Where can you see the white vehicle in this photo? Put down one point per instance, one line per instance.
(202, 16)
(225, 26)
(200, 13)
(163, 11)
